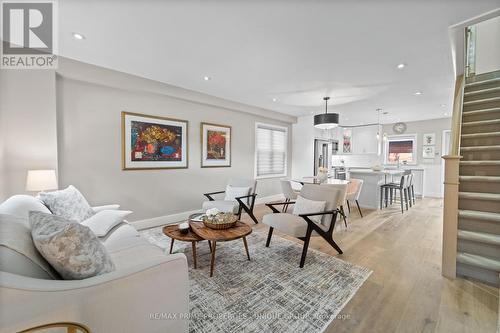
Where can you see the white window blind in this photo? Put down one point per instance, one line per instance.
(271, 150)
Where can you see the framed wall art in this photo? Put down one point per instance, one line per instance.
(428, 152)
(215, 145)
(429, 139)
(153, 142)
(347, 141)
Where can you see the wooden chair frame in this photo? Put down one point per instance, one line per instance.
(247, 207)
(311, 226)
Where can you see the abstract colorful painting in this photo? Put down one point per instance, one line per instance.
(216, 145)
(151, 142)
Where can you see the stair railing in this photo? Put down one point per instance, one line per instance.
(451, 182)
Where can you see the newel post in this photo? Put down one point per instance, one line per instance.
(450, 216)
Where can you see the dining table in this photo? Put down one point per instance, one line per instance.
(316, 181)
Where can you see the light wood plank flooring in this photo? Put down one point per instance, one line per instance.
(406, 292)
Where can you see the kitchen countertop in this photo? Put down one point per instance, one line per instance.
(381, 172)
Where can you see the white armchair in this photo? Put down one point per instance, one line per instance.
(301, 226)
(239, 196)
(353, 192)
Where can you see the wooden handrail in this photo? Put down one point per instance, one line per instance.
(456, 120)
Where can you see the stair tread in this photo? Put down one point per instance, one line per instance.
(479, 135)
(483, 100)
(480, 162)
(482, 237)
(479, 215)
(482, 91)
(481, 122)
(479, 179)
(475, 112)
(479, 196)
(479, 261)
(471, 148)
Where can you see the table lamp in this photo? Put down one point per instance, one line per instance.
(41, 180)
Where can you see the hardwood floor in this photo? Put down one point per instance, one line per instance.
(406, 292)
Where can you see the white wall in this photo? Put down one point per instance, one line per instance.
(303, 147)
(89, 140)
(28, 137)
(488, 46)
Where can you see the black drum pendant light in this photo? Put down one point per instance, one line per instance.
(326, 120)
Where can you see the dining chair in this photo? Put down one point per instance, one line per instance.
(239, 196)
(302, 225)
(353, 191)
(342, 199)
(288, 192)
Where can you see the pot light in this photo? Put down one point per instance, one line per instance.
(275, 100)
(207, 78)
(446, 113)
(401, 65)
(78, 36)
(443, 105)
(418, 93)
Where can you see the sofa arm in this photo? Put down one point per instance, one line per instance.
(150, 297)
(105, 207)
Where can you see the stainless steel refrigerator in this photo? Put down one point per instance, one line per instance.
(323, 151)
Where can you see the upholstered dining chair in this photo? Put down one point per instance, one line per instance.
(342, 199)
(239, 196)
(288, 192)
(353, 191)
(304, 225)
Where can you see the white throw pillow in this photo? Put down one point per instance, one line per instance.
(306, 206)
(233, 192)
(105, 220)
(70, 248)
(68, 203)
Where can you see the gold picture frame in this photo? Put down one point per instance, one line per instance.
(156, 153)
(216, 145)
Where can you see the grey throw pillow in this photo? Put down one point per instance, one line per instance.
(71, 248)
(68, 203)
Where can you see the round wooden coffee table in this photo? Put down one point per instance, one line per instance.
(240, 230)
(174, 233)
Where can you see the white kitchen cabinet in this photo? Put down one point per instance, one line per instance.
(364, 139)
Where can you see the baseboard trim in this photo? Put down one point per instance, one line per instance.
(183, 216)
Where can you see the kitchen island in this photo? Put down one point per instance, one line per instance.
(370, 193)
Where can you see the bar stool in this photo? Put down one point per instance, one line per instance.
(390, 187)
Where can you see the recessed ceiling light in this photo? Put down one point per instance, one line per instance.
(401, 65)
(446, 113)
(443, 105)
(78, 36)
(207, 78)
(275, 100)
(418, 93)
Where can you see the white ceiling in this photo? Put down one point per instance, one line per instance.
(294, 51)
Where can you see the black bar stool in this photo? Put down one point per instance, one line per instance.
(390, 188)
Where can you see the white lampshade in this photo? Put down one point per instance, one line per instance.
(41, 180)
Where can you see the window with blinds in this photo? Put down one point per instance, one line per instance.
(270, 150)
(402, 149)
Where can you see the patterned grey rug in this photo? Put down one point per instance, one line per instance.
(270, 293)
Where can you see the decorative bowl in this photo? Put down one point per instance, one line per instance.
(220, 221)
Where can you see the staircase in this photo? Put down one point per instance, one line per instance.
(478, 245)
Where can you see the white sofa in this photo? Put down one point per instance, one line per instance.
(148, 291)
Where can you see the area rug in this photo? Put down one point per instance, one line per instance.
(269, 293)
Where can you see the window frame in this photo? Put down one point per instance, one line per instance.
(271, 126)
(402, 137)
